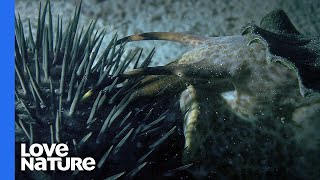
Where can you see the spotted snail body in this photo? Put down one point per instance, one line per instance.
(268, 72)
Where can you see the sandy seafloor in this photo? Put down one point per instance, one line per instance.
(204, 17)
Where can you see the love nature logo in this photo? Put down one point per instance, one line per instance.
(56, 158)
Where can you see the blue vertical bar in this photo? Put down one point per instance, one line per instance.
(7, 90)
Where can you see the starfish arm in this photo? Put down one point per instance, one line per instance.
(152, 86)
(189, 71)
(180, 37)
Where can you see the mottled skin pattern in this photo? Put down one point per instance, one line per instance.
(256, 84)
